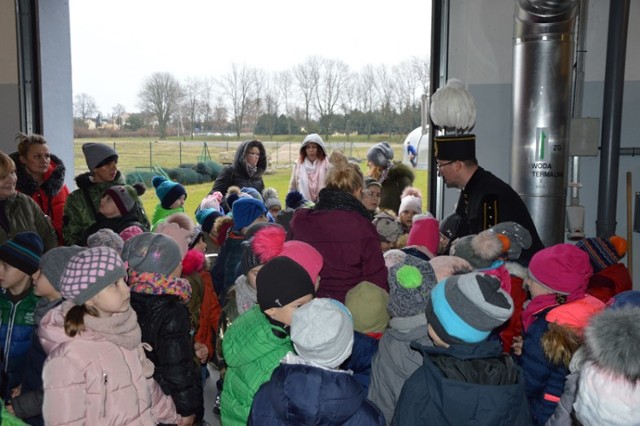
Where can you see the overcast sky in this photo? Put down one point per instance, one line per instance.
(115, 44)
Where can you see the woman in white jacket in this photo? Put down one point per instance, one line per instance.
(310, 171)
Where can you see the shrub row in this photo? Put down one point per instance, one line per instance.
(185, 174)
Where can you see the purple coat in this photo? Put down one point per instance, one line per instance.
(349, 245)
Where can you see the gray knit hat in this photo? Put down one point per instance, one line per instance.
(96, 153)
(380, 154)
(151, 252)
(466, 308)
(54, 262)
(388, 228)
(322, 332)
(410, 283)
(89, 272)
(105, 237)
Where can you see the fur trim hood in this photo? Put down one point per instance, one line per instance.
(399, 171)
(240, 165)
(52, 184)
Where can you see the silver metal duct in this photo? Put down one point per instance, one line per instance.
(543, 52)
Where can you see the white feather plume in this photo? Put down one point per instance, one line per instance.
(453, 107)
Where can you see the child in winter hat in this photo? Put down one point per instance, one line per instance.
(246, 211)
(106, 238)
(171, 195)
(322, 334)
(270, 197)
(212, 201)
(178, 226)
(602, 252)
(424, 234)
(462, 312)
(368, 305)
(380, 155)
(105, 339)
(410, 205)
(410, 283)
(19, 258)
(257, 340)
(130, 232)
(389, 230)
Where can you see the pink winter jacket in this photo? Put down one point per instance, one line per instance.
(89, 380)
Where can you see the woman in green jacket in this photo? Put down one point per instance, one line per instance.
(82, 205)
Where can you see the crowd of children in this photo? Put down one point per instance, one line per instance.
(338, 312)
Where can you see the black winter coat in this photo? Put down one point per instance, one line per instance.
(165, 325)
(463, 385)
(237, 174)
(486, 201)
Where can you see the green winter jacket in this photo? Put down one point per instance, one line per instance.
(251, 352)
(160, 214)
(24, 214)
(78, 214)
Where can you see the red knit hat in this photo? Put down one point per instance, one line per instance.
(425, 232)
(562, 268)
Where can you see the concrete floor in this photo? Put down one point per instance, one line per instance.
(210, 393)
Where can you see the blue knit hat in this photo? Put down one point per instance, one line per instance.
(252, 191)
(167, 191)
(206, 218)
(23, 252)
(245, 211)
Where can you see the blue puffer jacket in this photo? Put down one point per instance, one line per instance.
(544, 380)
(364, 349)
(300, 394)
(15, 334)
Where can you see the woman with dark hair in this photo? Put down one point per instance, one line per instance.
(393, 177)
(310, 171)
(41, 176)
(340, 228)
(18, 212)
(248, 166)
(81, 208)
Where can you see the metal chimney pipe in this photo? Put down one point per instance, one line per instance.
(543, 51)
(612, 117)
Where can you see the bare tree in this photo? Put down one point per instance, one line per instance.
(261, 83)
(283, 81)
(348, 101)
(385, 86)
(334, 75)
(307, 75)
(161, 94)
(421, 66)
(271, 109)
(238, 86)
(117, 113)
(191, 100)
(220, 115)
(206, 100)
(84, 106)
(366, 92)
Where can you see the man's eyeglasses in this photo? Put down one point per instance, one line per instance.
(441, 165)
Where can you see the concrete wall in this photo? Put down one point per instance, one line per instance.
(9, 91)
(480, 54)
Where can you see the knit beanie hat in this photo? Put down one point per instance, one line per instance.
(518, 238)
(465, 308)
(245, 211)
(410, 283)
(369, 181)
(393, 257)
(388, 228)
(212, 201)
(380, 154)
(425, 232)
(167, 191)
(105, 237)
(603, 252)
(130, 231)
(481, 250)
(281, 281)
(54, 262)
(410, 202)
(368, 306)
(89, 272)
(322, 332)
(295, 199)
(270, 196)
(313, 138)
(625, 298)
(269, 242)
(124, 196)
(249, 258)
(562, 268)
(95, 154)
(206, 218)
(151, 252)
(177, 226)
(23, 252)
(252, 192)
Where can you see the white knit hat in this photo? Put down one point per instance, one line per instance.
(322, 332)
(410, 202)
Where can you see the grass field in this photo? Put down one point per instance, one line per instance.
(140, 154)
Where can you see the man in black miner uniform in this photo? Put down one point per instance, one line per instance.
(485, 200)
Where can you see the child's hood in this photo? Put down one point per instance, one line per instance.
(51, 329)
